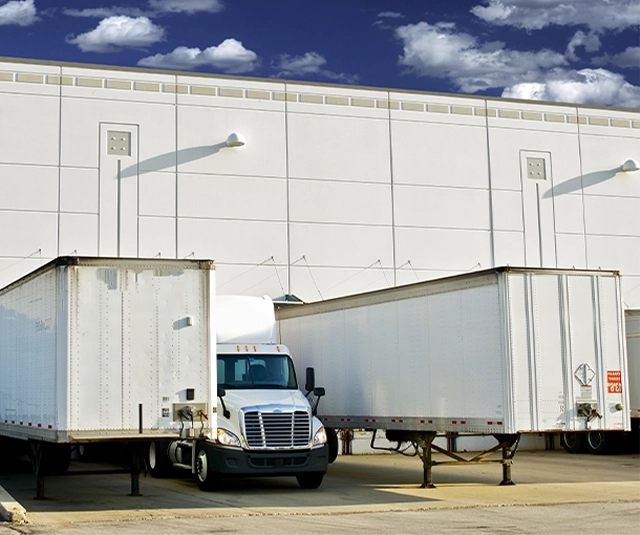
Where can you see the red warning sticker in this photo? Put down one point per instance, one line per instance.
(614, 381)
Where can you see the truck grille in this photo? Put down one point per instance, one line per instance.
(277, 429)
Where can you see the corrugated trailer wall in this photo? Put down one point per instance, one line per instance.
(500, 351)
(32, 378)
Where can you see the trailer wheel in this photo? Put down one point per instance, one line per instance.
(332, 443)
(312, 480)
(601, 442)
(207, 480)
(573, 442)
(158, 458)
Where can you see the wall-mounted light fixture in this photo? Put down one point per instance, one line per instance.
(630, 166)
(235, 140)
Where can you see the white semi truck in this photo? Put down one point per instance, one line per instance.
(501, 352)
(117, 351)
(266, 425)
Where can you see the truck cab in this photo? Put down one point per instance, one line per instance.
(266, 426)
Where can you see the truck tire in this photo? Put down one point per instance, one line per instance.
(158, 459)
(311, 480)
(332, 443)
(573, 442)
(602, 442)
(207, 479)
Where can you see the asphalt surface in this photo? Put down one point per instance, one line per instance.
(554, 493)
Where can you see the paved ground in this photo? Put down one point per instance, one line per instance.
(555, 492)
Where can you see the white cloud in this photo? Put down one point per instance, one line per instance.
(229, 56)
(390, 15)
(186, 6)
(156, 7)
(310, 63)
(627, 59)
(115, 33)
(536, 14)
(586, 86)
(590, 42)
(18, 12)
(437, 51)
(105, 12)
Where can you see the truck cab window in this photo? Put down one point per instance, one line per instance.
(256, 372)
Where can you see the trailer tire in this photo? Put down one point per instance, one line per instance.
(602, 442)
(573, 442)
(311, 480)
(207, 479)
(158, 459)
(332, 443)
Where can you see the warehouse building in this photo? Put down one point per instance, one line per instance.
(309, 189)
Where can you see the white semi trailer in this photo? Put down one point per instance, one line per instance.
(501, 352)
(266, 425)
(96, 350)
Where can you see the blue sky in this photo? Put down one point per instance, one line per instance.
(577, 51)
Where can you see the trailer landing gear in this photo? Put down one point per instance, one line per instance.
(53, 459)
(424, 447)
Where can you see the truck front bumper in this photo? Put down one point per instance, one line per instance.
(236, 462)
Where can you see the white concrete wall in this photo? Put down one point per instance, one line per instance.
(337, 190)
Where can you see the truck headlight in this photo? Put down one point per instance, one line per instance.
(227, 438)
(320, 437)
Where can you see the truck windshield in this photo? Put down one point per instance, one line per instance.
(256, 371)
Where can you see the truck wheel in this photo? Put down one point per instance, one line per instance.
(158, 459)
(207, 480)
(573, 442)
(332, 442)
(601, 442)
(311, 480)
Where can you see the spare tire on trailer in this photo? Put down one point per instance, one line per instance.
(574, 442)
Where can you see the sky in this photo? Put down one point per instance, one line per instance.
(574, 51)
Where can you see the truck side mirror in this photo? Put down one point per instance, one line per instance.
(318, 391)
(310, 384)
(222, 393)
